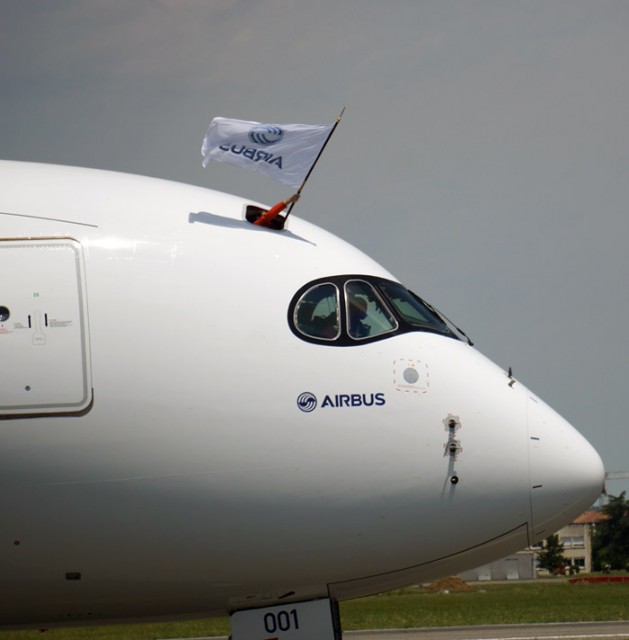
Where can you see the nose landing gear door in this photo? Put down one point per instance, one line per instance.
(44, 340)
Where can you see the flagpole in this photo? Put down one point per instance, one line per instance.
(273, 213)
(298, 194)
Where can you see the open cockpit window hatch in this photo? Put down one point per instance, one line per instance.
(253, 213)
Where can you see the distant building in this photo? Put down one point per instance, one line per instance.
(577, 540)
(517, 566)
(575, 537)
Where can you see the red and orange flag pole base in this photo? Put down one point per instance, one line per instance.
(265, 219)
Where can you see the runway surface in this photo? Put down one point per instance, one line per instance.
(554, 631)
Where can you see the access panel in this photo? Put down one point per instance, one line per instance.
(44, 341)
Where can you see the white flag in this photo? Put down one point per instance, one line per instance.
(285, 152)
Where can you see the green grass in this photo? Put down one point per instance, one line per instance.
(485, 603)
(185, 629)
(490, 604)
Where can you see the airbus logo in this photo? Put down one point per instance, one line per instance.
(266, 134)
(308, 402)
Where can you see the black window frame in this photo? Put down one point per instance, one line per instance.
(344, 339)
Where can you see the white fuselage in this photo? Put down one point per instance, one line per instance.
(154, 460)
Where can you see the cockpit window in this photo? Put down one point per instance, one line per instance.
(367, 315)
(316, 314)
(347, 310)
(412, 309)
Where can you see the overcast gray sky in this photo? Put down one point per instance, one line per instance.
(483, 157)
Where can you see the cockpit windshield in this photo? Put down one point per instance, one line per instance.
(367, 315)
(349, 310)
(413, 309)
(316, 313)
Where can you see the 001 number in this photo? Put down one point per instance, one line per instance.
(281, 621)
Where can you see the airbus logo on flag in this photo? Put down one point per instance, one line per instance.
(251, 153)
(266, 134)
(285, 152)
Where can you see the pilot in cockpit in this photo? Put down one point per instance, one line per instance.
(357, 314)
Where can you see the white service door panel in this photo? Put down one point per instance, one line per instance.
(44, 354)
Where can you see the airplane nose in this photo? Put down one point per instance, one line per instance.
(567, 474)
